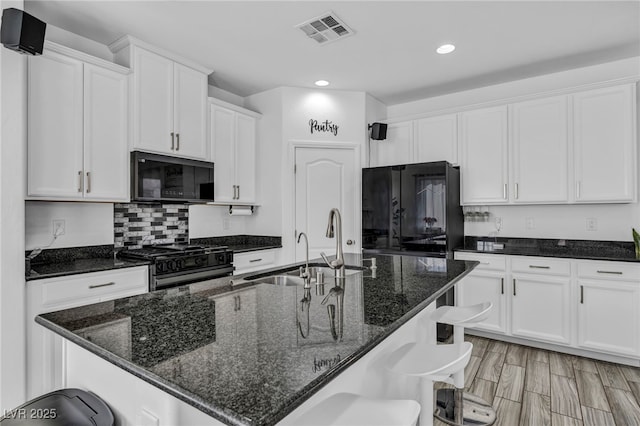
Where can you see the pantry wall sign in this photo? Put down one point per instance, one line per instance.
(325, 126)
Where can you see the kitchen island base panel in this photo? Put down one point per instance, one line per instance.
(634, 362)
(135, 401)
(132, 400)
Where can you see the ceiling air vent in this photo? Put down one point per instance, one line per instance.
(325, 28)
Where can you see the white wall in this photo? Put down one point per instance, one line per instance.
(87, 224)
(214, 221)
(13, 95)
(223, 95)
(569, 221)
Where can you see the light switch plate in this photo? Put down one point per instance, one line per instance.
(592, 224)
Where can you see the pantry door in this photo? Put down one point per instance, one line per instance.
(326, 178)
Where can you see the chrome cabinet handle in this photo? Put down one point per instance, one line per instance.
(504, 191)
(578, 190)
(516, 191)
(238, 192)
(501, 285)
(514, 286)
(102, 285)
(582, 294)
(610, 272)
(177, 141)
(173, 138)
(80, 181)
(539, 267)
(255, 260)
(88, 182)
(235, 192)
(350, 242)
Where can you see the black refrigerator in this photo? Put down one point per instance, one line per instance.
(413, 209)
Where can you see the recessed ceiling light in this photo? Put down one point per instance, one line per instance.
(445, 48)
(322, 83)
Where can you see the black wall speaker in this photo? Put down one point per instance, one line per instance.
(378, 131)
(22, 32)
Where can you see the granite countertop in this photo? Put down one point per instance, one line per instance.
(241, 243)
(76, 260)
(241, 351)
(620, 251)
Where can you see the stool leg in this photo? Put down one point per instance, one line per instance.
(426, 402)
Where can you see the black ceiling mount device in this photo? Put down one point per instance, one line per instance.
(22, 32)
(378, 131)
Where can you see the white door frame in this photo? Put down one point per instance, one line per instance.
(290, 188)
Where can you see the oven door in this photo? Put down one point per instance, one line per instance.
(181, 278)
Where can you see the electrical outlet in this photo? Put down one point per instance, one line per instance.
(59, 227)
(225, 224)
(592, 224)
(498, 223)
(529, 223)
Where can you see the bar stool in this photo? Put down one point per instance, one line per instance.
(349, 409)
(430, 363)
(454, 406)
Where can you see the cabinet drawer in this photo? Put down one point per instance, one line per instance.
(94, 287)
(253, 259)
(541, 265)
(609, 270)
(488, 262)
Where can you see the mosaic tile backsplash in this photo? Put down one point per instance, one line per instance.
(137, 225)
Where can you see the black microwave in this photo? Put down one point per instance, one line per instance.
(160, 178)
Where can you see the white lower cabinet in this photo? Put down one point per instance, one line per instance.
(581, 304)
(44, 348)
(609, 307)
(485, 284)
(254, 260)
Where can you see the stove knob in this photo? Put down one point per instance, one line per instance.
(220, 257)
(171, 265)
(179, 264)
(199, 261)
(161, 267)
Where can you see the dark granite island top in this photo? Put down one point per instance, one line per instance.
(250, 354)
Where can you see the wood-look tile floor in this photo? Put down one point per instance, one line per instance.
(529, 386)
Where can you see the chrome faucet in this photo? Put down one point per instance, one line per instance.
(305, 274)
(338, 263)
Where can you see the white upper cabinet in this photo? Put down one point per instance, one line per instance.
(77, 128)
(483, 162)
(233, 150)
(604, 134)
(106, 162)
(397, 148)
(170, 106)
(540, 151)
(436, 139)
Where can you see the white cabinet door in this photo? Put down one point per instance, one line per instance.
(609, 316)
(233, 150)
(55, 127)
(245, 160)
(540, 151)
(106, 163)
(485, 286)
(483, 163)
(397, 148)
(541, 308)
(153, 102)
(436, 139)
(190, 119)
(604, 142)
(223, 152)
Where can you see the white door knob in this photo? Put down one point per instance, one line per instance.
(350, 242)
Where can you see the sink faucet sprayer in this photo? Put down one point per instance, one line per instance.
(305, 274)
(338, 263)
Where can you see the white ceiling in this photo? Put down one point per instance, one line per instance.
(253, 45)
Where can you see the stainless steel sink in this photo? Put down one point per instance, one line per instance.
(328, 272)
(281, 280)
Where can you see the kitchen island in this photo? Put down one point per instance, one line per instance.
(249, 353)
